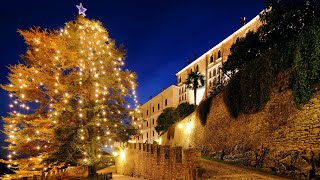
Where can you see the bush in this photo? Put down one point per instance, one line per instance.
(171, 115)
(204, 109)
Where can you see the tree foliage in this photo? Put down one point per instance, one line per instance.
(68, 96)
(171, 115)
(168, 117)
(194, 81)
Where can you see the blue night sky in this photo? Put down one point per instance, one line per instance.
(160, 35)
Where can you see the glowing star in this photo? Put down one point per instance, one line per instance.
(81, 9)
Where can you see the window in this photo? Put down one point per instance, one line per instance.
(153, 109)
(211, 59)
(219, 54)
(197, 68)
(210, 84)
(158, 106)
(179, 91)
(147, 123)
(191, 70)
(214, 72)
(209, 74)
(152, 133)
(166, 102)
(185, 97)
(147, 112)
(147, 135)
(152, 121)
(138, 137)
(179, 79)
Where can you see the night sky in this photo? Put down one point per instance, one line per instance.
(160, 35)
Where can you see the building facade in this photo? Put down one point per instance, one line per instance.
(210, 64)
(150, 112)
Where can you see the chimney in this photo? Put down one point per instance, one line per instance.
(162, 89)
(150, 97)
(188, 61)
(242, 21)
(194, 56)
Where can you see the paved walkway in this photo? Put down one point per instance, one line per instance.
(216, 170)
(122, 177)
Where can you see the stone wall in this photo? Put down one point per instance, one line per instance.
(158, 162)
(279, 138)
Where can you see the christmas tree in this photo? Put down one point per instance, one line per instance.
(68, 96)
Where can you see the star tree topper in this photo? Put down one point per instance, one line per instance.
(81, 9)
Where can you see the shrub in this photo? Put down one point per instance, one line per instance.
(204, 109)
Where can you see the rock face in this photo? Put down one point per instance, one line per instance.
(280, 138)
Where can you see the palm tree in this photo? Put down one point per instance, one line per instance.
(194, 81)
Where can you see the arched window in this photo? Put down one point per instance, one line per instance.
(197, 68)
(158, 106)
(152, 121)
(219, 54)
(211, 59)
(166, 102)
(147, 124)
(214, 72)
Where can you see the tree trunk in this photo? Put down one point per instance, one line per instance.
(92, 171)
(195, 97)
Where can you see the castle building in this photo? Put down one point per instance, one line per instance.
(209, 64)
(150, 112)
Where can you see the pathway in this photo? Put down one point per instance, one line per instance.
(217, 170)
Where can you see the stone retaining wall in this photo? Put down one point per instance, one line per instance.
(280, 138)
(158, 162)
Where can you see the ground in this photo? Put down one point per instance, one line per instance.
(217, 170)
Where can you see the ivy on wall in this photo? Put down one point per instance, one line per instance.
(288, 41)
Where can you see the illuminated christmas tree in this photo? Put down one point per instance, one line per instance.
(69, 95)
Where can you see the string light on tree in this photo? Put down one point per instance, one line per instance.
(71, 90)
